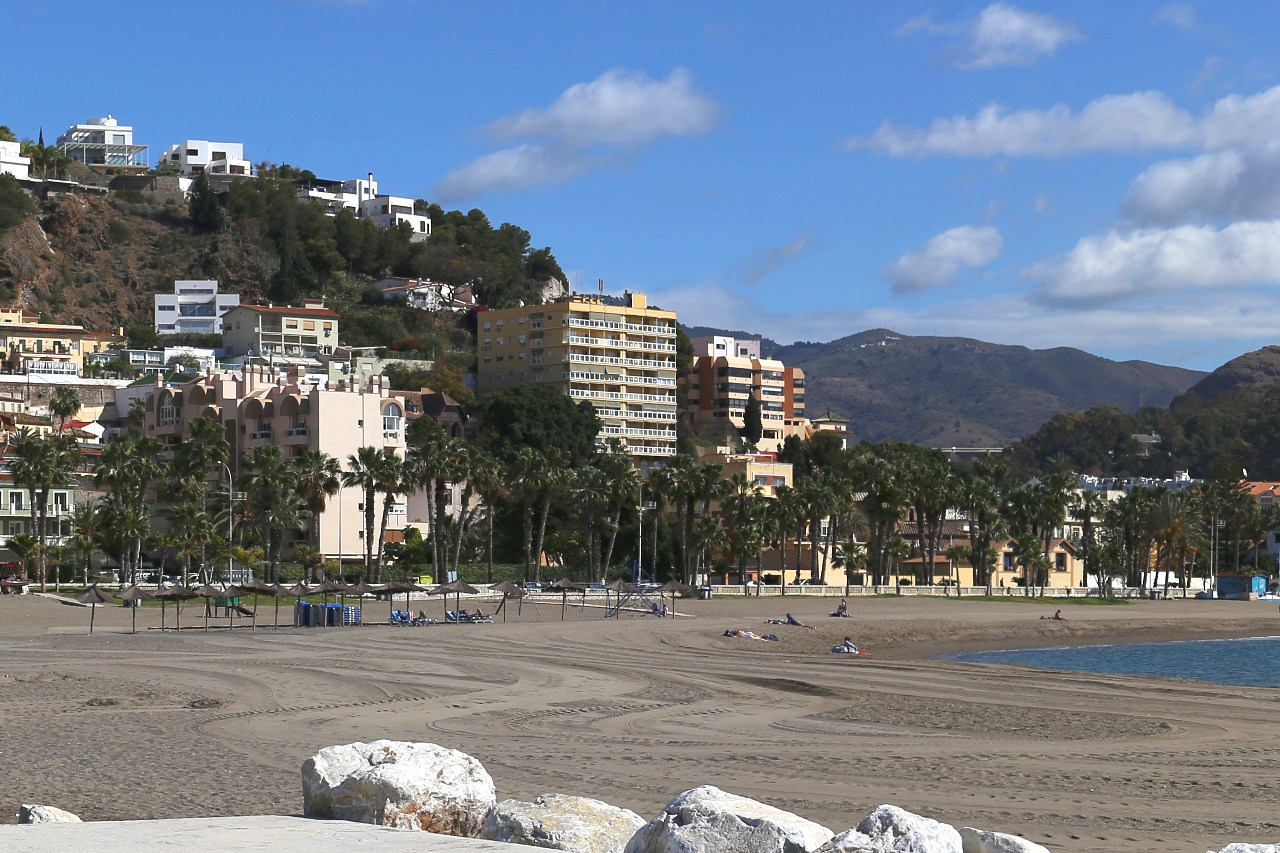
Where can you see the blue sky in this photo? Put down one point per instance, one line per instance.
(1093, 174)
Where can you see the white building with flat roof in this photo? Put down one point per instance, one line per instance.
(12, 162)
(193, 156)
(361, 197)
(193, 307)
(102, 142)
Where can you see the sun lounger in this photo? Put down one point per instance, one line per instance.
(400, 617)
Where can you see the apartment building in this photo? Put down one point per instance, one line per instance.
(257, 406)
(616, 352)
(193, 156)
(102, 142)
(280, 334)
(727, 372)
(193, 307)
(32, 347)
(360, 196)
(12, 162)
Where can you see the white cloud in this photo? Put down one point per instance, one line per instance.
(588, 126)
(764, 261)
(936, 263)
(1219, 186)
(514, 169)
(1119, 266)
(1142, 120)
(1000, 35)
(1006, 35)
(618, 108)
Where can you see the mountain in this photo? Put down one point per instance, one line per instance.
(960, 392)
(1257, 371)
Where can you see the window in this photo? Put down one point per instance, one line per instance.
(191, 152)
(15, 501)
(1060, 562)
(392, 418)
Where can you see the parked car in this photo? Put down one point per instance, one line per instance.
(812, 582)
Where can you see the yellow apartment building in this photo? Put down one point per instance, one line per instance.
(616, 352)
(30, 346)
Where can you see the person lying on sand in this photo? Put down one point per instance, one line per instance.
(842, 611)
(748, 635)
(845, 648)
(1057, 617)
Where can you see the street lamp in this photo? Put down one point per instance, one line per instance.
(232, 496)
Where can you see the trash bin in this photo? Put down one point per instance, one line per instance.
(704, 593)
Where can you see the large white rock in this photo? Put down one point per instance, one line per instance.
(889, 829)
(30, 813)
(396, 783)
(562, 822)
(1239, 847)
(709, 820)
(981, 841)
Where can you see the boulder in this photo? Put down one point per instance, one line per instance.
(709, 820)
(981, 841)
(30, 813)
(395, 783)
(889, 829)
(561, 822)
(1239, 847)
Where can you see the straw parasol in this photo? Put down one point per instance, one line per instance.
(675, 588)
(177, 594)
(262, 588)
(327, 589)
(133, 594)
(401, 586)
(565, 585)
(209, 592)
(458, 587)
(508, 590)
(622, 588)
(93, 597)
(365, 588)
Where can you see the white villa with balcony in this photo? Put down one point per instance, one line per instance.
(193, 156)
(102, 142)
(13, 163)
(361, 197)
(193, 307)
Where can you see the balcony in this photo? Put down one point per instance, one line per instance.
(622, 362)
(582, 323)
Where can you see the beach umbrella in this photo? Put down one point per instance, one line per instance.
(242, 591)
(365, 588)
(620, 587)
(133, 594)
(177, 594)
(93, 597)
(565, 585)
(263, 588)
(327, 589)
(508, 589)
(401, 586)
(458, 587)
(675, 588)
(209, 592)
(298, 590)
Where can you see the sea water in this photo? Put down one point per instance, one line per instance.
(1249, 661)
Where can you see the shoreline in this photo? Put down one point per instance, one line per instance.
(635, 710)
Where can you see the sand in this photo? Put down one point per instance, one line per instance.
(119, 726)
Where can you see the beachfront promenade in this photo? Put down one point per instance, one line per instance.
(274, 833)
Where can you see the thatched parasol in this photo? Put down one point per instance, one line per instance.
(622, 588)
(93, 597)
(565, 585)
(263, 588)
(209, 592)
(176, 594)
(133, 594)
(675, 588)
(457, 587)
(508, 590)
(401, 586)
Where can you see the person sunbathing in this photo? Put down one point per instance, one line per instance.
(845, 648)
(1057, 617)
(744, 634)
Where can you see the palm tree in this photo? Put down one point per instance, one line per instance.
(271, 501)
(318, 478)
(557, 478)
(427, 462)
(86, 529)
(363, 473)
(709, 537)
(39, 466)
(623, 485)
(64, 405)
(23, 545)
(127, 468)
(393, 478)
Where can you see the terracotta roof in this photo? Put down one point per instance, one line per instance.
(292, 312)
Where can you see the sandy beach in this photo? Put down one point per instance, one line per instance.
(635, 710)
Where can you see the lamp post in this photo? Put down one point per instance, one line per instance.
(231, 516)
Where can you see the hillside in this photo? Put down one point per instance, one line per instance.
(1253, 371)
(960, 392)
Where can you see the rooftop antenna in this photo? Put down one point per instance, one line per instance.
(601, 286)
